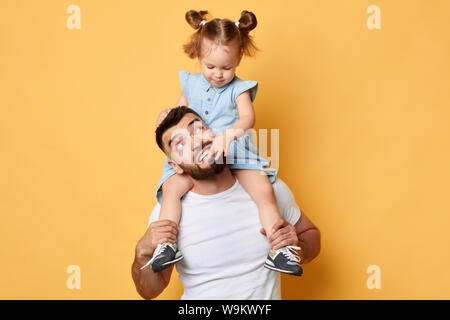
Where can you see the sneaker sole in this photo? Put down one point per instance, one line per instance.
(283, 271)
(167, 264)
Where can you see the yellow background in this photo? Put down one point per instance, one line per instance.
(364, 138)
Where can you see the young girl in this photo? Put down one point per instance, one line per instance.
(225, 103)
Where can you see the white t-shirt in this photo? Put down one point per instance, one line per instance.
(224, 251)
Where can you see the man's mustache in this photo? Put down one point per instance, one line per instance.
(200, 148)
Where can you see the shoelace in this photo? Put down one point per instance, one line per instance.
(290, 253)
(159, 249)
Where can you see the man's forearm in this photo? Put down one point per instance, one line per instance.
(148, 283)
(309, 242)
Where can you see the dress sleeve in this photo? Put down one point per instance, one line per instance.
(184, 77)
(242, 86)
(286, 202)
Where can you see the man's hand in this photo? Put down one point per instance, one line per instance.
(283, 234)
(148, 283)
(160, 231)
(303, 234)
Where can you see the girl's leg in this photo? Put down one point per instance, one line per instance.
(260, 189)
(172, 190)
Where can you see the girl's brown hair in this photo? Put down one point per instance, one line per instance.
(222, 31)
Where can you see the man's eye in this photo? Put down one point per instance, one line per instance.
(180, 146)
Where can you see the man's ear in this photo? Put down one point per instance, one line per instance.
(175, 166)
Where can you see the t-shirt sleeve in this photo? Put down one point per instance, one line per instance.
(184, 81)
(242, 86)
(286, 202)
(155, 214)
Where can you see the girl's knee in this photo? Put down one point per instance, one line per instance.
(177, 185)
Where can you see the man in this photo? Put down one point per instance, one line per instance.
(219, 235)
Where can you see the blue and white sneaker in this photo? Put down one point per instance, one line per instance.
(284, 260)
(165, 255)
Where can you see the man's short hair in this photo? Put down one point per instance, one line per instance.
(175, 115)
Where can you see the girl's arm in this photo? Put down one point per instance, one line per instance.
(246, 113)
(182, 101)
(245, 122)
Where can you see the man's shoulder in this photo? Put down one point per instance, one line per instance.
(281, 190)
(285, 200)
(154, 215)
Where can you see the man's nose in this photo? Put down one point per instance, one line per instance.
(208, 135)
(201, 138)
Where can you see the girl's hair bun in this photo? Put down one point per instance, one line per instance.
(247, 21)
(194, 18)
(223, 31)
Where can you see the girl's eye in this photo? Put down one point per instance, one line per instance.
(198, 130)
(227, 69)
(210, 67)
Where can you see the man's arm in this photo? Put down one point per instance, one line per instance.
(148, 283)
(303, 234)
(308, 239)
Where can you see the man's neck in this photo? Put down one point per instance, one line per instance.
(216, 184)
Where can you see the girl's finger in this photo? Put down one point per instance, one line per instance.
(225, 152)
(218, 155)
(211, 154)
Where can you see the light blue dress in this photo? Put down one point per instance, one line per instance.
(218, 109)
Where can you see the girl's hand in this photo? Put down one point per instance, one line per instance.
(162, 116)
(228, 139)
(217, 148)
(220, 145)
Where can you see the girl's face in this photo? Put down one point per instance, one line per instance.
(219, 62)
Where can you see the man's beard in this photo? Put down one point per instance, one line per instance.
(199, 173)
